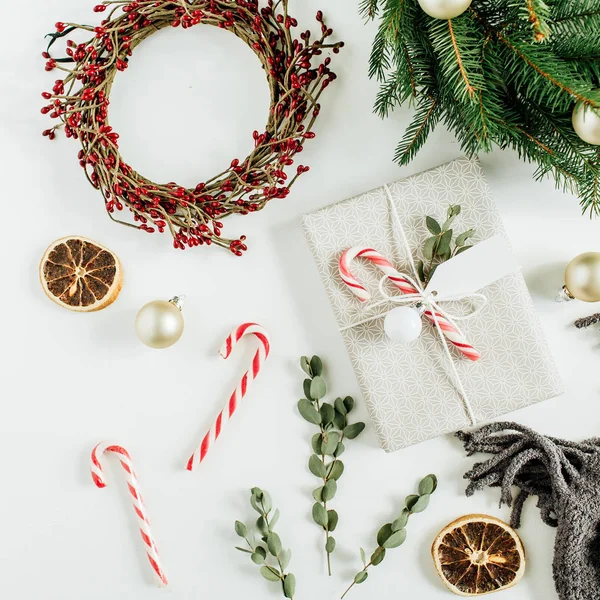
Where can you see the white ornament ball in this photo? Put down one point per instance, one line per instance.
(403, 324)
(159, 324)
(586, 123)
(444, 9)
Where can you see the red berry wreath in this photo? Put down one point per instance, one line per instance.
(194, 216)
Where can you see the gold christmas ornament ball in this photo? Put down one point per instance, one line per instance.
(159, 324)
(582, 277)
(444, 9)
(586, 123)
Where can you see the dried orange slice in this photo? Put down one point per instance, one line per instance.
(80, 274)
(477, 555)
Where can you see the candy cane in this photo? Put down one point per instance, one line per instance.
(138, 503)
(240, 391)
(452, 333)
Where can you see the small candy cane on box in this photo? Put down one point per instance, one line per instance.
(138, 503)
(407, 287)
(240, 391)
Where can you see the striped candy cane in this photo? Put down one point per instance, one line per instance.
(452, 333)
(138, 503)
(240, 391)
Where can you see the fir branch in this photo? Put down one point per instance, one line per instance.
(546, 80)
(417, 132)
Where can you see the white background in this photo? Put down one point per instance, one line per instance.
(186, 107)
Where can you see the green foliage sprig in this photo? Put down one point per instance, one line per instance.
(393, 534)
(441, 246)
(270, 545)
(327, 444)
(505, 73)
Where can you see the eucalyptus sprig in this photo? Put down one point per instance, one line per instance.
(440, 247)
(393, 534)
(327, 444)
(269, 549)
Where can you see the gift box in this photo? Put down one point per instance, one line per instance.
(411, 390)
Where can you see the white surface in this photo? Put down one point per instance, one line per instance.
(187, 105)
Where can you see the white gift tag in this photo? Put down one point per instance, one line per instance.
(474, 269)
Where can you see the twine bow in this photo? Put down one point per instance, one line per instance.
(413, 293)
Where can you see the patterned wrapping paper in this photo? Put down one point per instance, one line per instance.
(409, 390)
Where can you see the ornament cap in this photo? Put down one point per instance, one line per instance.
(564, 295)
(178, 301)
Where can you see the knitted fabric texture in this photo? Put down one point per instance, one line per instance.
(565, 476)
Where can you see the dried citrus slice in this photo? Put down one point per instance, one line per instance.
(81, 275)
(477, 555)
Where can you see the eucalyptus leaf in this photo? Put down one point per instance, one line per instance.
(319, 514)
(384, 533)
(273, 520)
(340, 406)
(349, 403)
(305, 365)
(330, 545)
(318, 494)
(401, 521)
(339, 421)
(316, 443)
(454, 210)
(335, 470)
(266, 502)
(463, 237)
(377, 556)
(316, 466)
(289, 585)
(329, 490)
(255, 505)
(360, 577)
(354, 430)
(428, 485)
(411, 501)
(327, 413)
(429, 247)
(339, 450)
(433, 225)
(259, 556)
(261, 525)
(318, 389)
(421, 504)
(421, 270)
(243, 550)
(330, 442)
(306, 387)
(309, 412)
(270, 573)
(396, 539)
(363, 556)
(332, 520)
(445, 241)
(447, 223)
(285, 557)
(274, 543)
(461, 250)
(316, 366)
(240, 529)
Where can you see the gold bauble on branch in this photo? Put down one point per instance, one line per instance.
(582, 278)
(444, 9)
(586, 123)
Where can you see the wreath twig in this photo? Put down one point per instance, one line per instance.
(80, 101)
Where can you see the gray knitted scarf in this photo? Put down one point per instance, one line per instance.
(565, 476)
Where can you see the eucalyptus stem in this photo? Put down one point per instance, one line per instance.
(332, 420)
(270, 545)
(393, 534)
